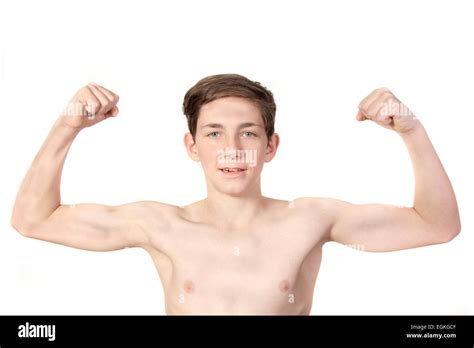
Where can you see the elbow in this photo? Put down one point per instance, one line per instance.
(450, 232)
(15, 222)
(456, 229)
(22, 226)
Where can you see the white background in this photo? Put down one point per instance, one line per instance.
(319, 58)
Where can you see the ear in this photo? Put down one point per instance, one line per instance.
(272, 147)
(191, 147)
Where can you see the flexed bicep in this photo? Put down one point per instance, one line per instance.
(381, 227)
(93, 226)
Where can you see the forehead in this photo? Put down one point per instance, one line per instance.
(230, 109)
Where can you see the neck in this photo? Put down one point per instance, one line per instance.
(229, 211)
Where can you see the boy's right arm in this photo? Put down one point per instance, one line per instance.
(38, 212)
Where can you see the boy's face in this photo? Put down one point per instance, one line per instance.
(231, 145)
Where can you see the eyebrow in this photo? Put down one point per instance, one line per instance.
(242, 125)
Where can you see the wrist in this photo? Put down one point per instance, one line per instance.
(61, 127)
(416, 129)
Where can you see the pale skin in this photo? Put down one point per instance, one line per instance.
(236, 251)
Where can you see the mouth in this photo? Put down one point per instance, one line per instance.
(232, 172)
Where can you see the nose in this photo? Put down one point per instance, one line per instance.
(232, 142)
(232, 147)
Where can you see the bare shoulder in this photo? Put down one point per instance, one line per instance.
(149, 215)
(159, 206)
(153, 210)
(323, 206)
(318, 213)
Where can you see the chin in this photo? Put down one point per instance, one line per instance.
(236, 187)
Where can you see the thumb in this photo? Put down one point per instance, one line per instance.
(360, 116)
(113, 112)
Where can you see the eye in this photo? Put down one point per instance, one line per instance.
(249, 134)
(213, 134)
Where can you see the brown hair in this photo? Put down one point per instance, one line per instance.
(229, 85)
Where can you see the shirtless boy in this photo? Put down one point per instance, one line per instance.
(236, 251)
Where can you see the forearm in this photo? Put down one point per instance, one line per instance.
(39, 194)
(434, 200)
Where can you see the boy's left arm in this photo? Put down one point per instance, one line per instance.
(434, 217)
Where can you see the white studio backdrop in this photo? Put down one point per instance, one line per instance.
(319, 58)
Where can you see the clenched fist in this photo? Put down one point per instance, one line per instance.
(382, 107)
(90, 105)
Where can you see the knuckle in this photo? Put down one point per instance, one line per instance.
(92, 100)
(95, 106)
(84, 90)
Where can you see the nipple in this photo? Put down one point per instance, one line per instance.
(188, 286)
(284, 286)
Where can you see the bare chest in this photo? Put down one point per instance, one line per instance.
(266, 269)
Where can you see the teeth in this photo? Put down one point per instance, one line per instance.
(232, 170)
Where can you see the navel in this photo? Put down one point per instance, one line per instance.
(188, 286)
(284, 286)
